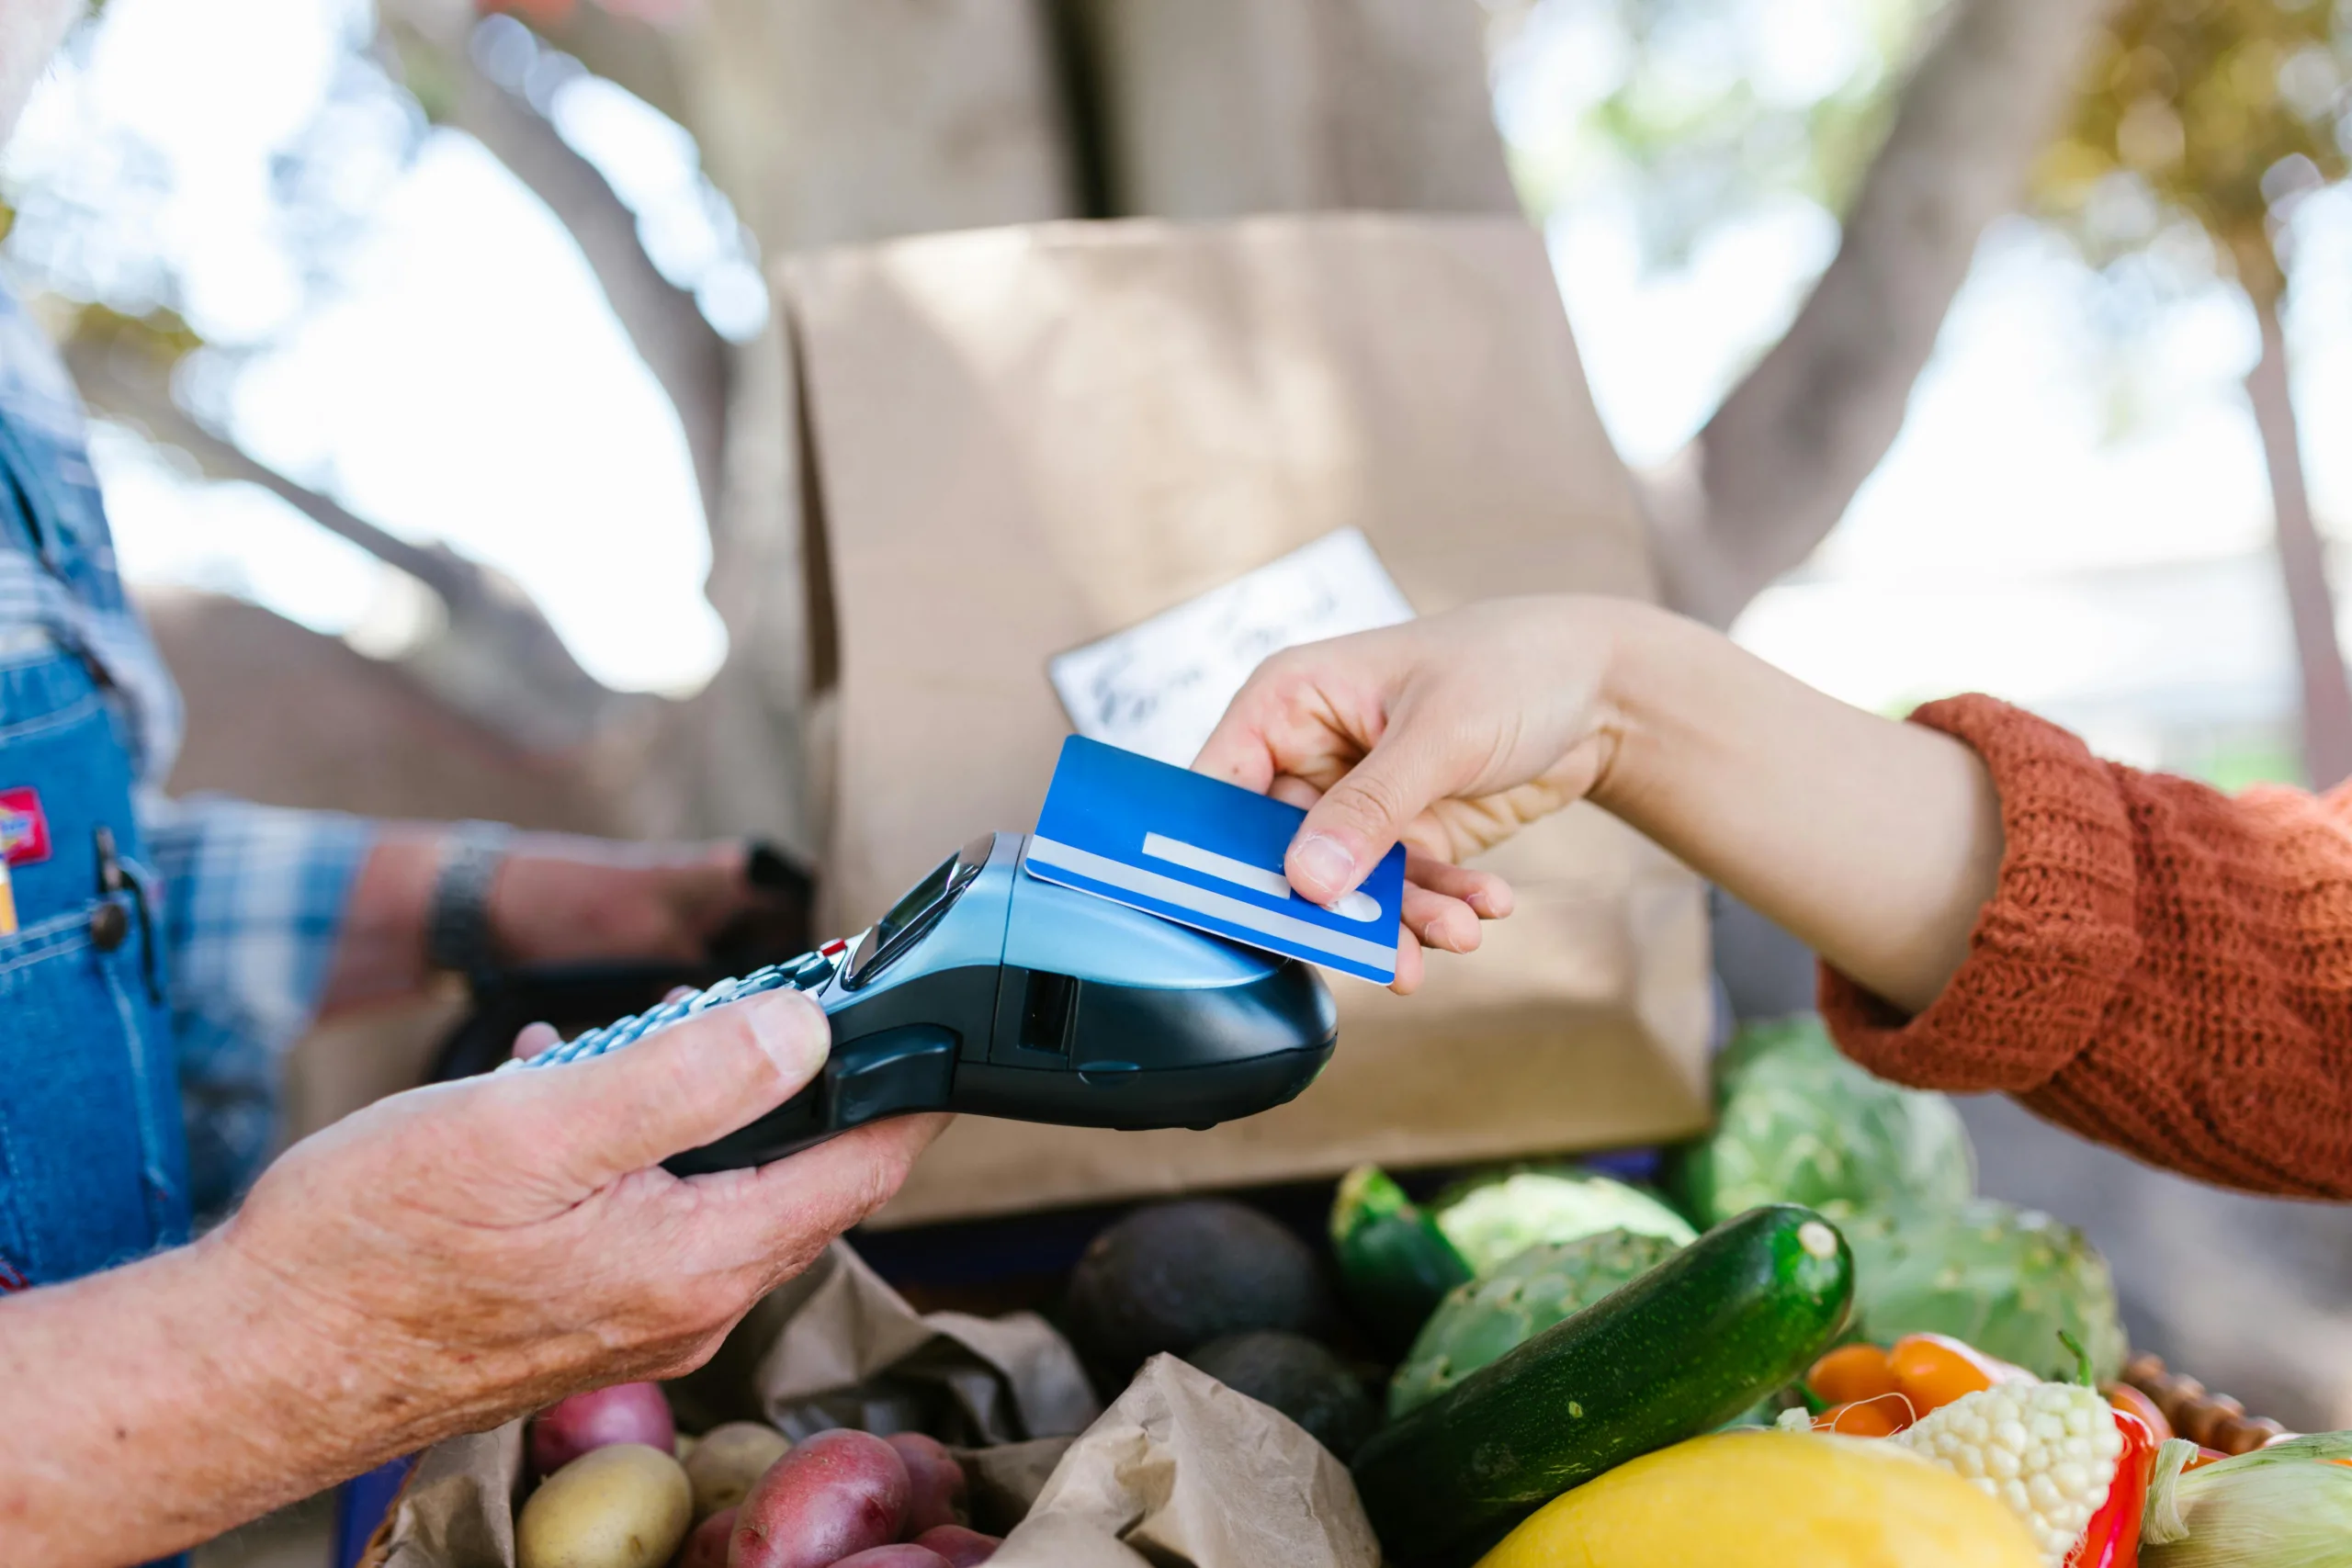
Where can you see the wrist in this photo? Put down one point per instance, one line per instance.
(564, 899)
(1646, 656)
(460, 933)
(380, 950)
(301, 1385)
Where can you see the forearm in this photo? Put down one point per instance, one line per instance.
(554, 896)
(1876, 842)
(380, 951)
(159, 1404)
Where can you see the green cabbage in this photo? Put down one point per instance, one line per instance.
(1799, 1123)
(1493, 1221)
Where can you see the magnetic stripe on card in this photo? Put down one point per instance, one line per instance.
(1183, 895)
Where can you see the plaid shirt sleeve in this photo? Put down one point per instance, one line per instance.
(253, 900)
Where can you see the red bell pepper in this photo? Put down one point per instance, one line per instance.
(2124, 1397)
(2112, 1538)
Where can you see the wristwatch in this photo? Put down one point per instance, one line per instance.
(456, 924)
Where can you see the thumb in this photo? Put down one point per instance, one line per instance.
(600, 1119)
(1363, 816)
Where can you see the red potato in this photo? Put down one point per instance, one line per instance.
(937, 1480)
(905, 1554)
(706, 1548)
(624, 1413)
(834, 1495)
(961, 1547)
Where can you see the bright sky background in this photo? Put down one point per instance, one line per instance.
(468, 384)
(2071, 516)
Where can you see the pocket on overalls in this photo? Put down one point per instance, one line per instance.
(91, 1161)
(83, 1182)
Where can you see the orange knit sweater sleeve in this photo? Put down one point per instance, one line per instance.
(2161, 968)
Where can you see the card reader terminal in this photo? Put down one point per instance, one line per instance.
(993, 992)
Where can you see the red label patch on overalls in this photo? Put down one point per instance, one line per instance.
(24, 827)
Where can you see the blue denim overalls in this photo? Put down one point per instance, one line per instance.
(93, 1164)
(93, 1158)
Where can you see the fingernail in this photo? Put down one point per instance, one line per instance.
(781, 1023)
(1326, 861)
(534, 1039)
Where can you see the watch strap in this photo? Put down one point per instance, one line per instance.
(457, 927)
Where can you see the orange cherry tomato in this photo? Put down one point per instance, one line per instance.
(2204, 1456)
(2124, 1397)
(1881, 1418)
(1933, 1369)
(1851, 1373)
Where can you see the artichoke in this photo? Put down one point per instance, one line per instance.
(2005, 1279)
(1480, 1321)
(1492, 1220)
(1395, 1264)
(1799, 1123)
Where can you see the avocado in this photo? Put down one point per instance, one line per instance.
(1297, 1377)
(1171, 1276)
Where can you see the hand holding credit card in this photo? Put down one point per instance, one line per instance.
(1206, 854)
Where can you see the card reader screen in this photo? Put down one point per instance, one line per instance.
(912, 908)
(909, 916)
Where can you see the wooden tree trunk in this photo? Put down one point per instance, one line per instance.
(827, 123)
(838, 124)
(2302, 558)
(1778, 464)
(1215, 108)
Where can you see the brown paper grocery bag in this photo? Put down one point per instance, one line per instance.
(1181, 1472)
(457, 1507)
(855, 1354)
(837, 1346)
(1016, 441)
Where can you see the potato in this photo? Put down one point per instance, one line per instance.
(624, 1413)
(837, 1493)
(683, 1449)
(728, 1460)
(905, 1554)
(936, 1480)
(706, 1548)
(961, 1547)
(622, 1506)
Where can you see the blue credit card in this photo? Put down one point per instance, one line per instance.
(1206, 854)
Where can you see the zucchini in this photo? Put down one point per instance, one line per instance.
(1395, 1264)
(1737, 1315)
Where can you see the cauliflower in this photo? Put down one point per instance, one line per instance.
(2046, 1449)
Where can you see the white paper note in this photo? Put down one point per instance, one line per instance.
(1160, 686)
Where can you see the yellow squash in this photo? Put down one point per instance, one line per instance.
(1770, 1500)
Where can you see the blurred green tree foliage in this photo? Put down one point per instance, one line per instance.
(1695, 105)
(2222, 112)
(2214, 119)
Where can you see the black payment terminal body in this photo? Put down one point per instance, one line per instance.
(987, 990)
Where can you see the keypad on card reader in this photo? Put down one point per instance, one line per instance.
(806, 973)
